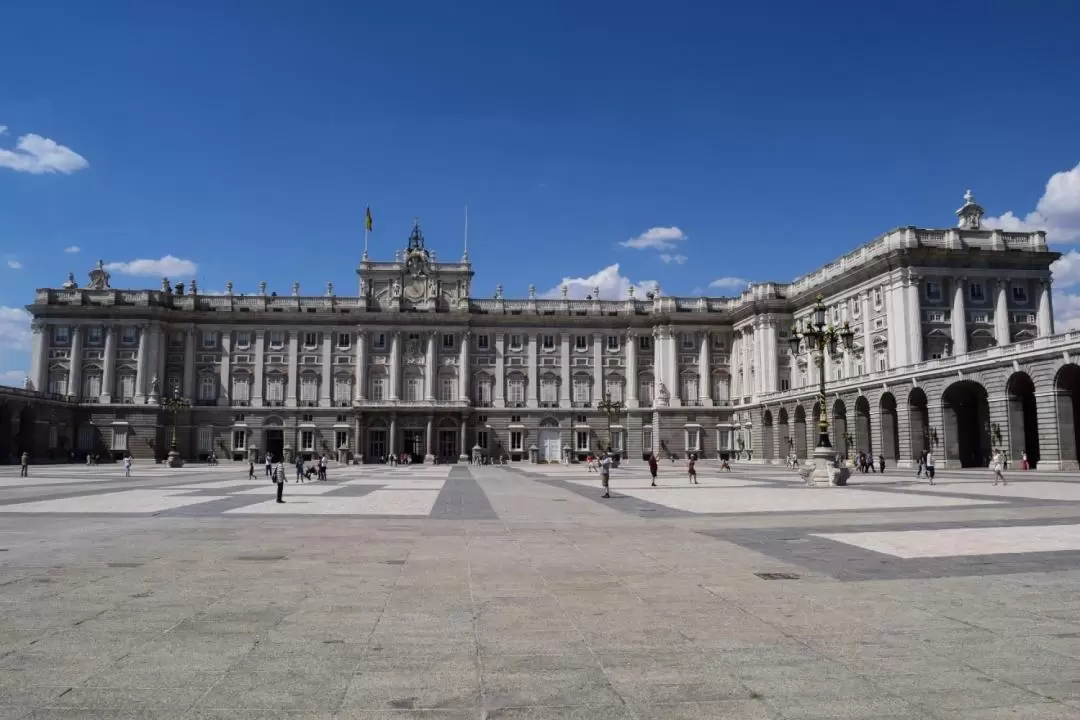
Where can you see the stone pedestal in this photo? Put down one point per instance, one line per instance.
(825, 473)
(534, 454)
(429, 459)
(174, 459)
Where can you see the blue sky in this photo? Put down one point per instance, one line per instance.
(245, 138)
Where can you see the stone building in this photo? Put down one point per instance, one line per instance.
(954, 346)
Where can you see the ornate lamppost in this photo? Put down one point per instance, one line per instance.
(819, 338)
(175, 405)
(613, 410)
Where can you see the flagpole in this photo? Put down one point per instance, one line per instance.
(465, 257)
(367, 209)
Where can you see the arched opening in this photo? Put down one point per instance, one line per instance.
(966, 412)
(783, 433)
(800, 432)
(1023, 419)
(840, 428)
(1067, 399)
(767, 429)
(5, 433)
(547, 441)
(919, 422)
(863, 440)
(273, 438)
(24, 441)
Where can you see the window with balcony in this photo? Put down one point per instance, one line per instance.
(549, 391)
(645, 391)
(613, 386)
(414, 388)
(721, 388)
(275, 389)
(241, 389)
(482, 391)
(447, 389)
(377, 388)
(208, 385)
(582, 389)
(309, 389)
(58, 382)
(342, 389)
(91, 388)
(515, 390)
(688, 389)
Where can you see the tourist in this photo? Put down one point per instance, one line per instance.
(691, 472)
(251, 468)
(919, 459)
(269, 465)
(589, 463)
(322, 468)
(1024, 461)
(725, 465)
(299, 468)
(24, 464)
(881, 462)
(653, 467)
(605, 474)
(127, 466)
(277, 476)
(930, 466)
(997, 463)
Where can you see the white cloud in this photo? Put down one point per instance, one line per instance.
(613, 286)
(1057, 212)
(13, 378)
(168, 266)
(729, 283)
(3, 129)
(1066, 269)
(38, 155)
(1066, 312)
(677, 259)
(72, 249)
(14, 328)
(14, 264)
(657, 238)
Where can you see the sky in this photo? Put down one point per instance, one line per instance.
(693, 145)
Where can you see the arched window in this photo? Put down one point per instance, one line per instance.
(275, 389)
(645, 390)
(342, 389)
(613, 387)
(549, 390)
(309, 389)
(447, 388)
(482, 390)
(582, 389)
(208, 387)
(515, 390)
(241, 388)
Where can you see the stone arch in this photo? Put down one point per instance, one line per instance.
(517, 388)
(1023, 418)
(864, 442)
(767, 446)
(839, 427)
(549, 422)
(6, 447)
(800, 432)
(1067, 410)
(981, 339)
(783, 432)
(918, 422)
(966, 412)
(24, 440)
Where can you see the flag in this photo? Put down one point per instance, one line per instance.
(367, 220)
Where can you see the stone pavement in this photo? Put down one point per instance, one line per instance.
(453, 592)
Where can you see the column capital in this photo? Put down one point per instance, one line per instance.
(37, 326)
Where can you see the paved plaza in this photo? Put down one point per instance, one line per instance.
(453, 592)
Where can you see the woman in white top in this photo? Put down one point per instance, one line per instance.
(996, 464)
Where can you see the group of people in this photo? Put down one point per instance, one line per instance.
(864, 461)
(276, 471)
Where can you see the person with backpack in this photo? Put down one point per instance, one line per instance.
(653, 467)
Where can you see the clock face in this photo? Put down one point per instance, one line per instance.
(414, 290)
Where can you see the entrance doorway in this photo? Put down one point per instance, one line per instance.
(966, 413)
(448, 446)
(413, 444)
(376, 449)
(549, 445)
(275, 444)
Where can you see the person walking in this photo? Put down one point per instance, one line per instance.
(269, 465)
(605, 474)
(251, 468)
(1024, 461)
(277, 476)
(930, 466)
(127, 466)
(691, 471)
(24, 464)
(322, 468)
(299, 468)
(653, 467)
(997, 463)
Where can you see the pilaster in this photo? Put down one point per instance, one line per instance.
(109, 365)
(189, 363)
(959, 317)
(257, 384)
(326, 384)
(360, 391)
(225, 369)
(141, 363)
(630, 351)
(395, 365)
(598, 367)
(534, 375)
(293, 390)
(564, 369)
(75, 363)
(463, 360)
(500, 370)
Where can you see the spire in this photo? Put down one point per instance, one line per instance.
(416, 238)
(970, 215)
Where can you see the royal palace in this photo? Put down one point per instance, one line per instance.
(954, 350)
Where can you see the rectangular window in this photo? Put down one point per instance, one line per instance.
(61, 334)
(126, 387)
(482, 438)
(582, 439)
(58, 383)
(933, 290)
(307, 417)
(413, 389)
(723, 439)
(516, 391)
(646, 439)
(614, 389)
(341, 439)
(243, 339)
(207, 388)
(693, 440)
(482, 392)
(277, 339)
(307, 440)
(979, 317)
(688, 341)
(344, 340)
(275, 390)
(483, 342)
(1019, 293)
(549, 342)
(549, 391)
(515, 342)
(644, 342)
(209, 339)
(613, 343)
(447, 389)
(378, 341)
(1024, 318)
(239, 440)
(309, 389)
(977, 291)
(582, 388)
(515, 418)
(580, 342)
(645, 392)
(856, 307)
(883, 364)
(936, 355)
(448, 341)
(617, 444)
(342, 390)
(128, 335)
(378, 389)
(241, 390)
(516, 444)
(581, 419)
(311, 339)
(205, 440)
(93, 336)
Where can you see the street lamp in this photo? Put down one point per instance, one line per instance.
(612, 409)
(819, 338)
(175, 405)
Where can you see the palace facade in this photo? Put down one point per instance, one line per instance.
(954, 350)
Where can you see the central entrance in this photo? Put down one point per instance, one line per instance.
(448, 446)
(548, 445)
(275, 444)
(376, 449)
(413, 444)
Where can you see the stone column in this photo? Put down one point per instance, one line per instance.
(257, 384)
(391, 441)
(959, 317)
(429, 374)
(659, 363)
(463, 455)
(326, 384)
(189, 363)
(772, 380)
(75, 363)
(109, 372)
(598, 367)
(1045, 317)
(162, 361)
(141, 362)
(868, 330)
(360, 391)
(226, 361)
(1002, 332)
(463, 362)
(734, 364)
(704, 384)
(534, 374)
(293, 391)
(500, 370)
(395, 365)
(914, 320)
(749, 373)
(39, 356)
(631, 369)
(430, 455)
(892, 329)
(564, 370)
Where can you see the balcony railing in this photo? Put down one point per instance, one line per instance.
(692, 403)
(580, 404)
(549, 404)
